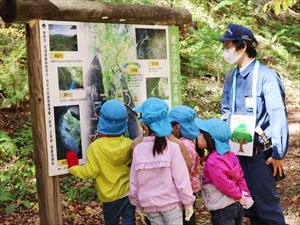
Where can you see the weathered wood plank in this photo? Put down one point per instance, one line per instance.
(48, 188)
(22, 11)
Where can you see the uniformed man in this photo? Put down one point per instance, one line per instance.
(269, 110)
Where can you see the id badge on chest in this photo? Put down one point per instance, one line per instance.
(242, 134)
(249, 102)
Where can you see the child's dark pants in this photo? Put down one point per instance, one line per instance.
(230, 215)
(120, 208)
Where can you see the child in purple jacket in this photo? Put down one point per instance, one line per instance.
(224, 188)
(159, 178)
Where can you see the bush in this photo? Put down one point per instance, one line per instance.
(17, 174)
(13, 66)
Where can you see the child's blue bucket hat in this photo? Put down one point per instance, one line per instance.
(186, 117)
(113, 118)
(155, 115)
(220, 132)
(139, 108)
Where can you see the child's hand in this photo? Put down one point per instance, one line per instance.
(141, 214)
(245, 194)
(246, 200)
(188, 212)
(72, 159)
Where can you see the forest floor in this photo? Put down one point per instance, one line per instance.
(91, 213)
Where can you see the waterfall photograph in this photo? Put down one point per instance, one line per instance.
(151, 43)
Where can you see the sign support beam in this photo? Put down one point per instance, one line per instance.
(48, 188)
(22, 11)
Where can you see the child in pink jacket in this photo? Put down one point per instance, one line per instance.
(159, 179)
(224, 188)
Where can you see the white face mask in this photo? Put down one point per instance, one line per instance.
(230, 57)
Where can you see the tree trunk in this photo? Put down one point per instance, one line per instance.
(22, 11)
(241, 146)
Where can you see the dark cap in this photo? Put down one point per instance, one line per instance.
(236, 32)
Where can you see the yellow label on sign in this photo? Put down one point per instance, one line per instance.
(63, 94)
(62, 162)
(153, 63)
(56, 55)
(132, 68)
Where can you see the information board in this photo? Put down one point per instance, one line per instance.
(85, 64)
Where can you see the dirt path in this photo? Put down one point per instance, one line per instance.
(290, 187)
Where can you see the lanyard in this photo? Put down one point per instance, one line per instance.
(254, 91)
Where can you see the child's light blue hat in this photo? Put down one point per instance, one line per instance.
(113, 118)
(186, 117)
(150, 100)
(220, 132)
(155, 115)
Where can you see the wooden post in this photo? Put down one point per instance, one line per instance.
(48, 188)
(22, 11)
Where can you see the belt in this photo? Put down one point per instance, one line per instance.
(259, 147)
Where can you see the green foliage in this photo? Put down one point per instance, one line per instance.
(225, 4)
(197, 54)
(279, 5)
(8, 147)
(203, 95)
(13, 69)
(27, 204)
(5, 195)
(17, 174)
(23, 140)
(84, 192)
(11, 208)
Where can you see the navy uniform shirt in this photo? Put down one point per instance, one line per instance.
(271, 111)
